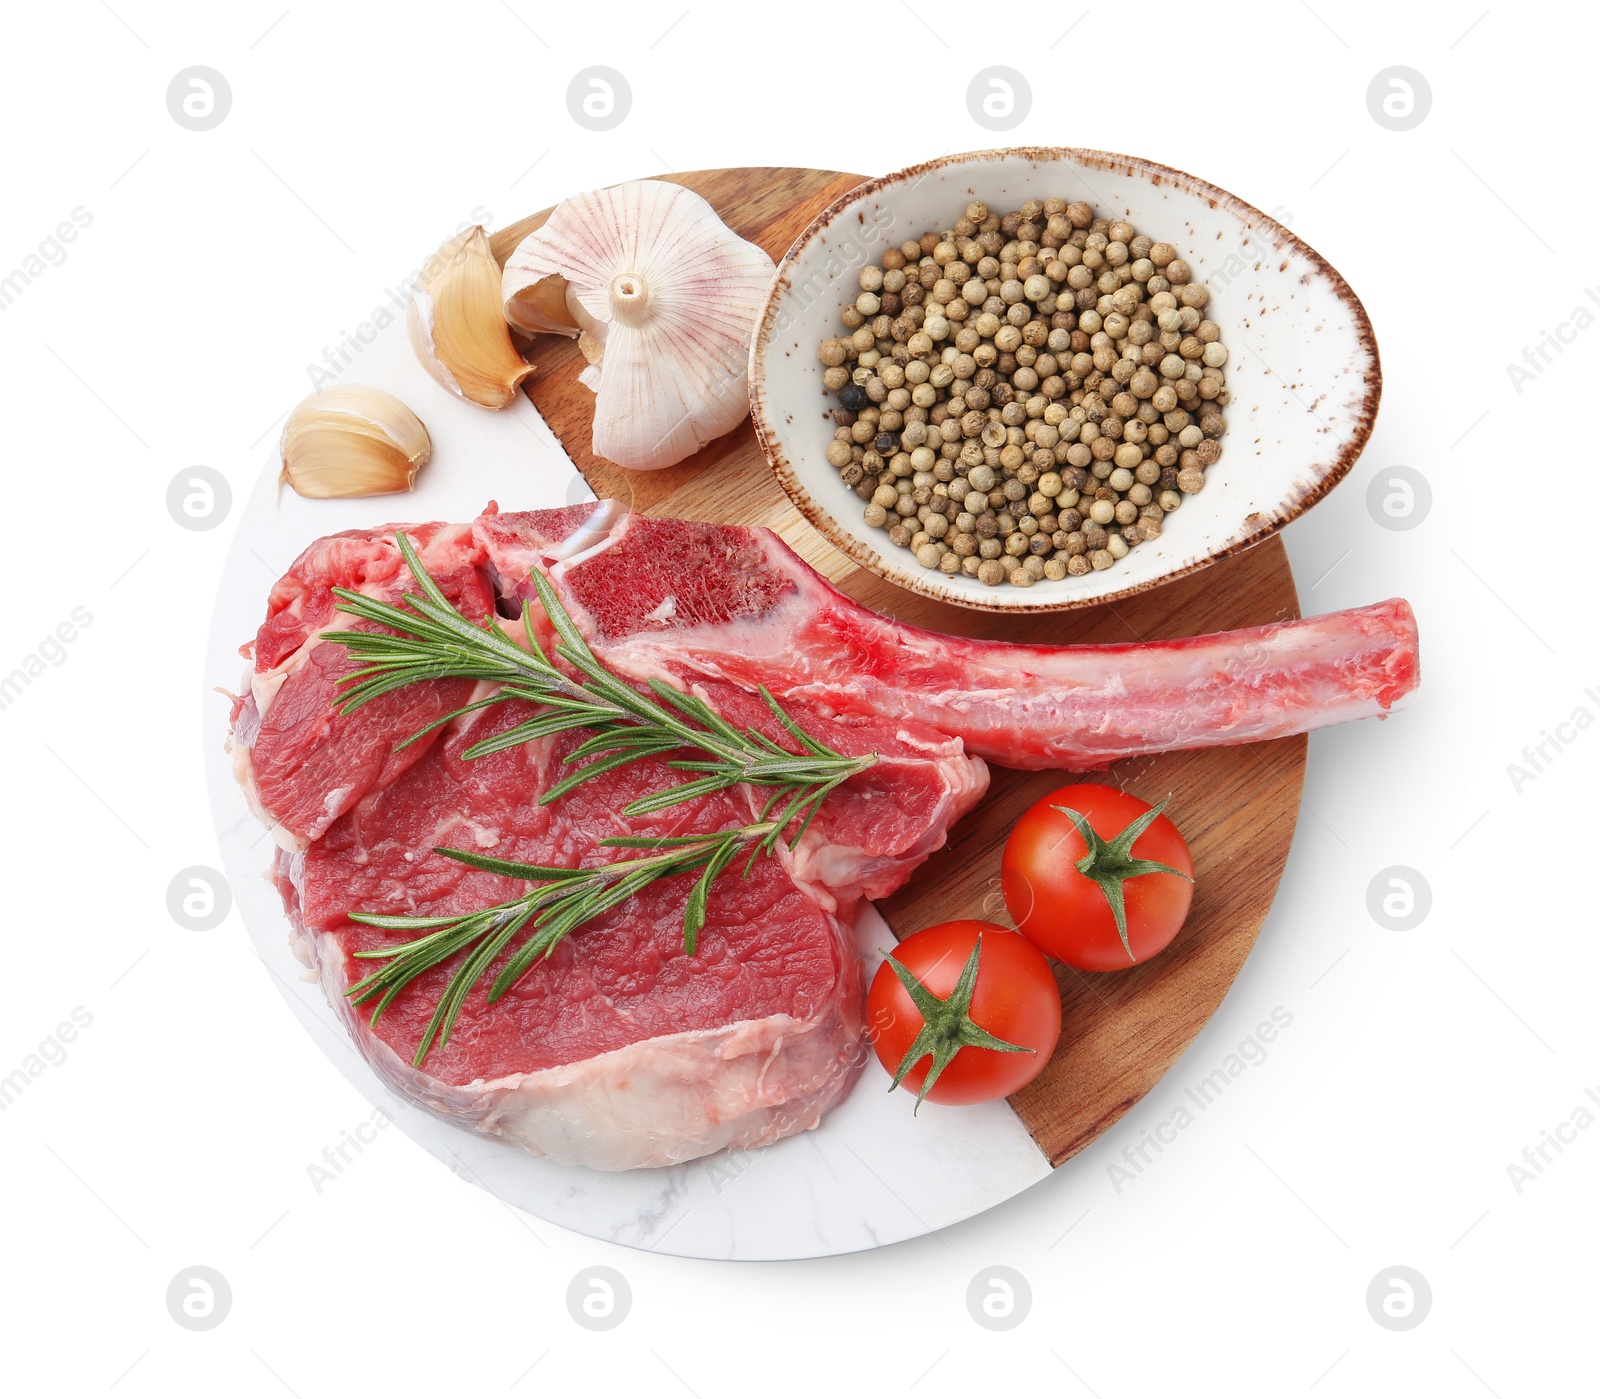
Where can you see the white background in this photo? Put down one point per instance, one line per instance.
(180, 1126)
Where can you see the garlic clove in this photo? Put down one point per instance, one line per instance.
(457, 326)
(593, 349)
(351, 440)
(667, 297)
(539, 306)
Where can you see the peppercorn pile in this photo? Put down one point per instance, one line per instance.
(1026, 396)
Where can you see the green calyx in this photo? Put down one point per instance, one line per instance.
(1110, 862)
(947, 1028)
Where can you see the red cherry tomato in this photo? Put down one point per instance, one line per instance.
(1069, 913)
(965, 1004)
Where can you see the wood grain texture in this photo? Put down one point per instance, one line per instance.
(1121, 1031)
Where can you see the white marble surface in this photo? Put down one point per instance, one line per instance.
(871, 1174)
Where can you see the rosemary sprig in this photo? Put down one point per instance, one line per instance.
(563, 900)
(429, 639)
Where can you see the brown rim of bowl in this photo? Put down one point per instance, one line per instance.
(821, 519)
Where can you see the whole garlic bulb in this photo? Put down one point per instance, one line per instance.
(667, 297)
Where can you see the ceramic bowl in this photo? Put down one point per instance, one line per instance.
(1303, 371)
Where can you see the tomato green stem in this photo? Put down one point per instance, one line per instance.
(1110, 862)
(947, 1028)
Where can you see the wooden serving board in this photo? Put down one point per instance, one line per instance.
(1121, 1031)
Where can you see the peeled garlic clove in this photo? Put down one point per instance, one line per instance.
(457, 327)
(669, 297)
(538, 307)
(351, 440)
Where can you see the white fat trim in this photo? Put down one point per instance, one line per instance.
(264, 689)
(301, 942)
(590, 534)
(286, 840)
(559, 571)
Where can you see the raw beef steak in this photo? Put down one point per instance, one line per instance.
(619, 1050)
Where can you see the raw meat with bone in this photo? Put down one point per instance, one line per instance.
(737, 604)
(619, 1050)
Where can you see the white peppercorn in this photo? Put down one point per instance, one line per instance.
(1040, 391)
